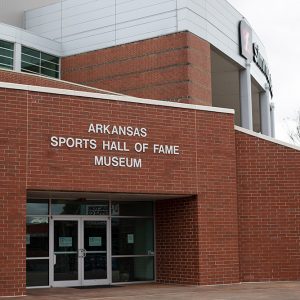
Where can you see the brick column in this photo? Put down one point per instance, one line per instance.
(12, 193)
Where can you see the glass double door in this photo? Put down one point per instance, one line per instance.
(79, 254)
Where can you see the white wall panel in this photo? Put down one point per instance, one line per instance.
(16, 35)
(54, 35)
(45, 28)
(143, 12)
(12, 11)
(44, 19)
(42, 11)
(219, 20)
(145, 28)
(88, 27)
(187, 16)
(145, 36)
(69, 4)
(97, 40)
(95, 24)
(79, 48)
(198, 8)
(84, 7)
(136, 5)
(94, 15)
(191, 3)
(97, 32)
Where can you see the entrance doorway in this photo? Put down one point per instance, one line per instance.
(85, 239)
(80, 251)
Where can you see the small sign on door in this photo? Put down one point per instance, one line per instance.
(65, 241)
(95, 241)
(130, 238)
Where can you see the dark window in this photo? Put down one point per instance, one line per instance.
(132, 208)
(6, 55)
(34, 61)
(132, 236)
(37, 272)
(37, 236)
(69, 207)
(125, 269)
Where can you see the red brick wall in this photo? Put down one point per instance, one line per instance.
(36, 80)
(177, 241)
(174, 67)
(217, 201)
(12, 192)
(205, 167)
(269, 209)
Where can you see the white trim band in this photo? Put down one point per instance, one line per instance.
(40, 89)
(266, 138)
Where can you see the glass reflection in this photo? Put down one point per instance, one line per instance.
(132, 236)
(37, 237)
(37, 207)
(91, 208)
(125, 269)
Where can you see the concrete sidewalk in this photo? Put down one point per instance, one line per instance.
(245, 291)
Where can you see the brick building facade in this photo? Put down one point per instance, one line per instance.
(174, 67)
(135, 146)
(237, 202)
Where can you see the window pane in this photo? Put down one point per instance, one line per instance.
(95, 266)
(6, 55)
(6, 66)
(30, 52)
(26, 67)
(50, 65)
(6, 61)
(6, 52)
(34, 61)
(126, 269)
(66, 267)
(37, 207)
(65, 236)
(7, 45)
(96, 208)
(132, 236)
(37, 237)
(95, 236)
(30, 60)
(50, 58)
(37, 272)
(69, 207)
(62, 207)
(132, 208)
(50, 73)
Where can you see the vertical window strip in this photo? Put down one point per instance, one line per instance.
(6, 55)
(47, 65)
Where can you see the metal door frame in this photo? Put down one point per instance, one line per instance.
(80, 223)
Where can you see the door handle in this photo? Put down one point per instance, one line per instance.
(81, 253)
(54, 259)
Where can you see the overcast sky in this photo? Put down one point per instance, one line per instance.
(277, 23)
